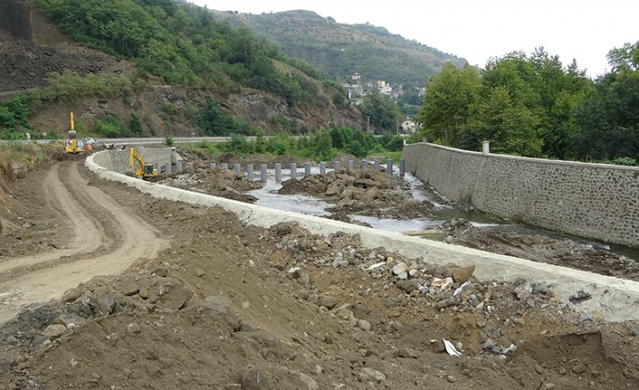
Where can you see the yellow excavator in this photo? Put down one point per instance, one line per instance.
(144, 171)
(74, 146)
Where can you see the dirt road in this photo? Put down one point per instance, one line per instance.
(103, 238)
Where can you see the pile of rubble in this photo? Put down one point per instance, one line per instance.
(362, 192)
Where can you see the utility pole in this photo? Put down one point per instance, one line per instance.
(368, 124)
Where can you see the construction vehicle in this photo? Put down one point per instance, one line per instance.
(74, 145)
(144, 171)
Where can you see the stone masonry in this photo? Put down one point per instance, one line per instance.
(118, 160)
(596, 201)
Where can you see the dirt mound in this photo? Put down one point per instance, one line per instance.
(361, 191)
(218, 182)
(564, 252)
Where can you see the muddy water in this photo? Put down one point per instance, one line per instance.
(268, 197)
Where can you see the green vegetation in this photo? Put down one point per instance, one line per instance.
(183, 45)
(338, 50)
(534, 106)
(213, 123)
(110, 126)
(178, 44)
(321, 146)
(14, 114)
(381, 112)
(71, 87)
(135, 124)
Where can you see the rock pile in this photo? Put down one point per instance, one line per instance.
(408, 283)
(362, 191)
(218, 182)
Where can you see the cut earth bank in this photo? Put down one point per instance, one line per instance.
(221, 309)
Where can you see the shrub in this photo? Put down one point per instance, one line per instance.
(279, 144)
(111, 127)
(627, 161)
(239, 145)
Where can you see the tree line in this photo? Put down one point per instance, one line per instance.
(184, 45)
(322, 145)
(535, 106)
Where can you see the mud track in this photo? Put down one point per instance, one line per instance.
(103, 239)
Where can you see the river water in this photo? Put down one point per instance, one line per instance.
(268, 197)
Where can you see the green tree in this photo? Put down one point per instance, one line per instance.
(239, 145)
(321, 146)
(561, 90)
(381, 112)
(608, 120)
(446, 109)
(136, 124)
(508, 125)
(625, 58)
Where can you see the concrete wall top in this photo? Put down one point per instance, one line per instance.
(612, 299)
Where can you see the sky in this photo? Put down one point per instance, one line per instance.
(478, 30)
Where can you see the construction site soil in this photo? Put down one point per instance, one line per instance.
(154, 294)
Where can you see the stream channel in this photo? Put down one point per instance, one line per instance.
(442, 212)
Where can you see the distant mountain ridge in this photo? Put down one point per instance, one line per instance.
(339, 50)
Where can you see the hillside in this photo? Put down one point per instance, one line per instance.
(339, 49)
(154, 65)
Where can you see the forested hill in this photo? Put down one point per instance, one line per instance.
(173, 64)
(339, 50)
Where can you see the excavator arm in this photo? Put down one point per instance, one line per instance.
(73, 145)
(144, 170)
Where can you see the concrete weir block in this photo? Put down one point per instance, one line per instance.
(613, 299)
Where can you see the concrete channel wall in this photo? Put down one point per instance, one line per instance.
(613, 299)
(595, 201)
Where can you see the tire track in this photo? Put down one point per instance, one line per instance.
(78, 202)
(84, 233)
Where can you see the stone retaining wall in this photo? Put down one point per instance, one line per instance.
(118, 160)
(595, 201)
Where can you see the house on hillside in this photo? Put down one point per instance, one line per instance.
(410, 126)
(356, 76)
